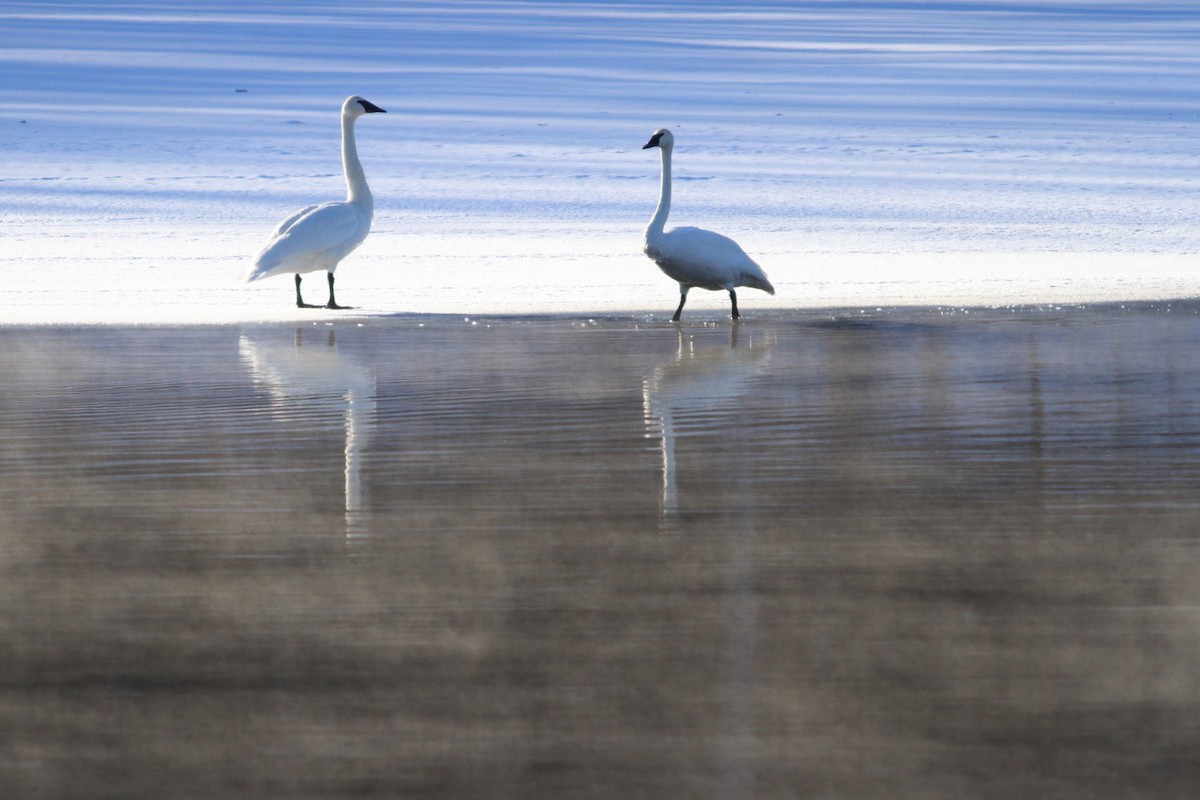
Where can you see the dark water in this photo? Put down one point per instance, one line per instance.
(896, 555)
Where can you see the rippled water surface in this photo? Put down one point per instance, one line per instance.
(883, 555)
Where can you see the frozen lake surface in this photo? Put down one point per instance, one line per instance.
(830, 555)
(881, 154)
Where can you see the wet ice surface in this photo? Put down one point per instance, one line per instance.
(828, 554)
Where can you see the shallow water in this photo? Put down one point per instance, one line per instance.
(896, 554)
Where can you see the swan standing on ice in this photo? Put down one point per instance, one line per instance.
(318, 237)
(693, 256)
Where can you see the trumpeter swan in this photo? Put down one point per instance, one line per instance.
(693, 256)
(318, 237)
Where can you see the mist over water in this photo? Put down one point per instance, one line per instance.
(843, 555)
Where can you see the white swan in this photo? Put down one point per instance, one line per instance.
(318, 237)
(693, 256)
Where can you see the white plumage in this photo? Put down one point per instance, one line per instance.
(318, 237)
(695, 257)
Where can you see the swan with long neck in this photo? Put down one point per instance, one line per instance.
(319, 237)
(694, 257)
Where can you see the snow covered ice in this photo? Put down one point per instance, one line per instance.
(865, 154)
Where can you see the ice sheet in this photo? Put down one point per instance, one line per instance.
(887, 153)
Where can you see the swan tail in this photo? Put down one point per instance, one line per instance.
(254, 273)
(261, 268)
(758, 282)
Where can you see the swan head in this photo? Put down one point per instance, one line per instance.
(356, 106)
(662, 138)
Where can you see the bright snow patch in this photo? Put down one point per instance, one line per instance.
(889, 153)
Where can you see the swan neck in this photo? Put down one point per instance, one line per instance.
(659, 220)
(357, 191)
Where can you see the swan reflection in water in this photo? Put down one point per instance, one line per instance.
(701, 392)
(698, 384)
(305, 380)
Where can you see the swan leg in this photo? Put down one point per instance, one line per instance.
(300, 300)
(332, 303)
(683, 290)
(733, 301)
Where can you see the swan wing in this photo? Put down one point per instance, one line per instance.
(706, 259)
(314, 238)
(283, 226)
